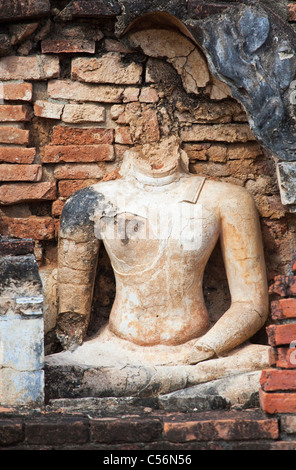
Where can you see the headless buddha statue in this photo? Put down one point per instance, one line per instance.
(159, 225)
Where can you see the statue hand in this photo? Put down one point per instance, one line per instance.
(199, 353)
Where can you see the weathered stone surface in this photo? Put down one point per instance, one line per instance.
(111, 373)
(218, 133)
(19, 273)
(21, 327)
(78, 113)
(15, 247)
(233, 49)
(287, 181)
(21, 388)
(222, 393)
(106, 69)
(47, 109)
(179, 51)
(29, 68)
(77, 91)
(161, 43)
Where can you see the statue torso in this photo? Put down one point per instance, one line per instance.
(158, 244)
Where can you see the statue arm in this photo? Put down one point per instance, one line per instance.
(243, 255)
(77, 262)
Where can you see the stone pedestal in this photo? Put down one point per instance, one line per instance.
(21, 326)
(107, 366)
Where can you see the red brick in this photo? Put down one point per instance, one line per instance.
(273, 380)
(120, 151)
(272, 356)
(29, 67)
(57, 207)
(56, 431)
(283, 445)
(291, 11)
(38, 228)
(16, 91)
(10, 113)
(277, 402)
(70, 90)
(90, 9)
(17, 155)
(217, 132)
(13, 247)
(221, 429)
(81, 113)
(283, 308)
(22, 192)
(78, 153)
(285, 286)
(11, 431)
(148, 95)
(111, 430)
(17, 172)
(108, 68)
(13, 135)
(198, 11)
(294, 262)
(286, 358)
(63, 135)
(78, 171)
(47, 109)
(69, 187)
(65, 46)
(281, 334)
(123, 136)
(20, 10)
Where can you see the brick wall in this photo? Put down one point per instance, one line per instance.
(146, 432)
(278, 384)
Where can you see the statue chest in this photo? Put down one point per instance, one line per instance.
(145, 232)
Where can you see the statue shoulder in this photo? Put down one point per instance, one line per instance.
(228, 196)
(79, 210)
